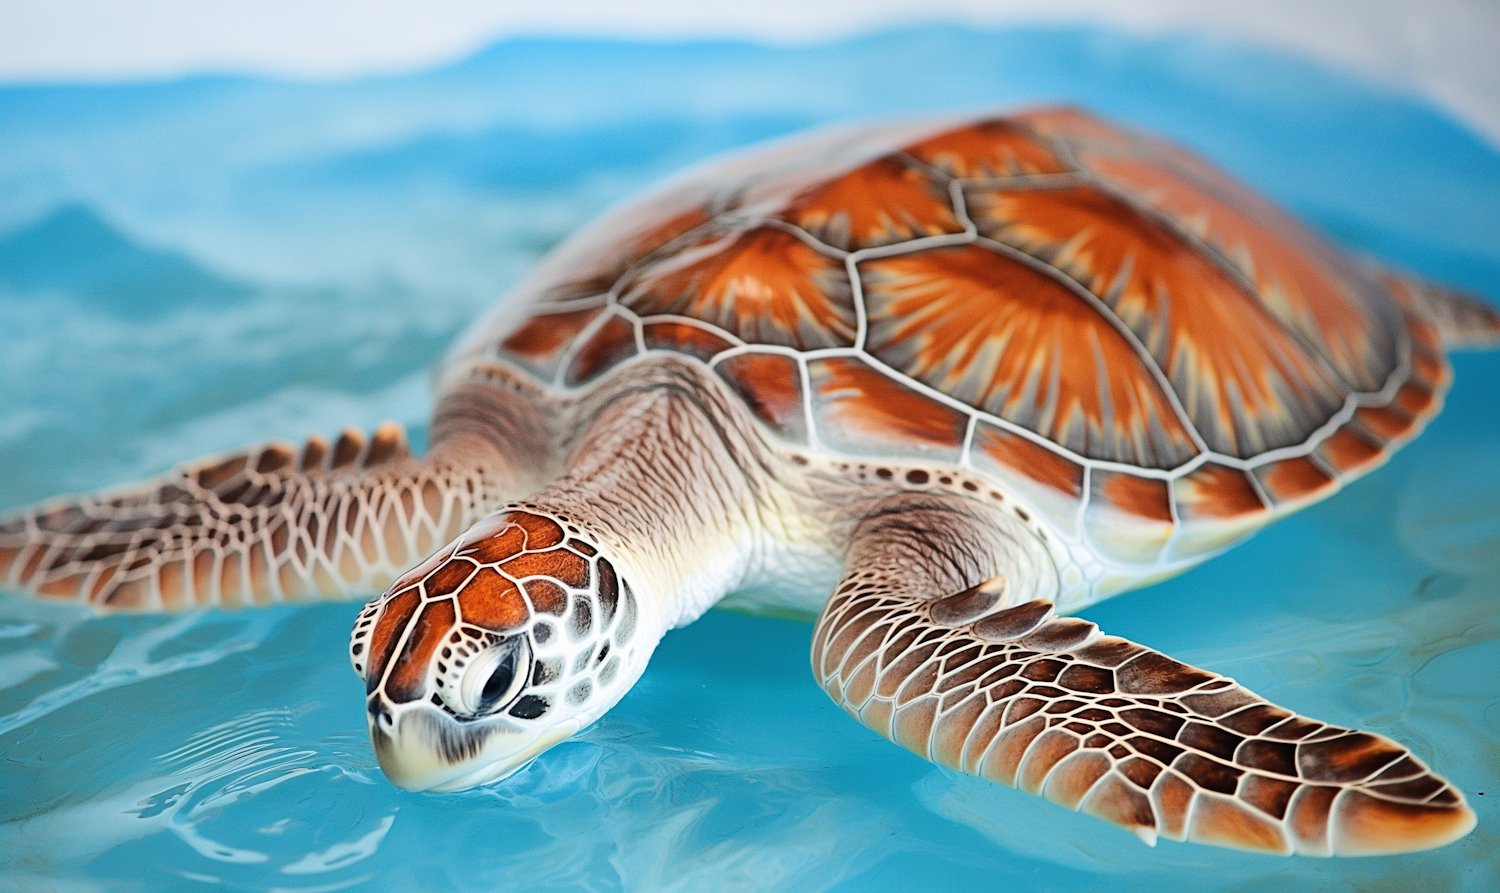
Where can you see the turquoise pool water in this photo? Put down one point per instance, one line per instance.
(191, 265)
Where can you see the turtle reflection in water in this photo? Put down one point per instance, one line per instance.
(965, 376)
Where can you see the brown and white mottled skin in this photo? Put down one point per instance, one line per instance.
(957, 373)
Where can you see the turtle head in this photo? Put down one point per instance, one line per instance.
(504, 643)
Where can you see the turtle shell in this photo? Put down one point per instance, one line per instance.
(1119, 336)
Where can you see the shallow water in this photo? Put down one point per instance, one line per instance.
(188, 266)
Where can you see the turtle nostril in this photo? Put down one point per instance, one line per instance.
(380, 712)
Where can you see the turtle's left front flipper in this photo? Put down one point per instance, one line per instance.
(256, 526)
(1014, 694)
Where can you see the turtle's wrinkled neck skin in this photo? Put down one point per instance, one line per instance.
(674, 479)
(670, 498)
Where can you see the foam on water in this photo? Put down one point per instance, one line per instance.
(333, 238)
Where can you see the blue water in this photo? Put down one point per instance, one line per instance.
(190, 265)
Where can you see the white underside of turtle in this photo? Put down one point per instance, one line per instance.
(935, 383)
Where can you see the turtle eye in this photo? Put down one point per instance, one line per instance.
(494, 678)
(499, 682)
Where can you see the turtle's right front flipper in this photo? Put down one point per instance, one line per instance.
(266, 524)
(1010, 692)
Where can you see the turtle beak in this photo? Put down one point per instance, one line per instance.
(421, 748)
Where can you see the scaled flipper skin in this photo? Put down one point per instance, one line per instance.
(262, 525)
(973, 680)
(1463, 321)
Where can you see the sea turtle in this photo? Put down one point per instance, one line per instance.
(965, 375)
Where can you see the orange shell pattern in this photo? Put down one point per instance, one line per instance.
(1121, 337)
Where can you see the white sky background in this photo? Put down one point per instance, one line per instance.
(1445, 50)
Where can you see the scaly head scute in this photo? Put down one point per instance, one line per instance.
(507, 641)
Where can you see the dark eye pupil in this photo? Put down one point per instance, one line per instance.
(499, 682)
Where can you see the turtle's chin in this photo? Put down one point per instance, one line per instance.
(421, 748)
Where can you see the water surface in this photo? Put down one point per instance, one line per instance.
(192, 265)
